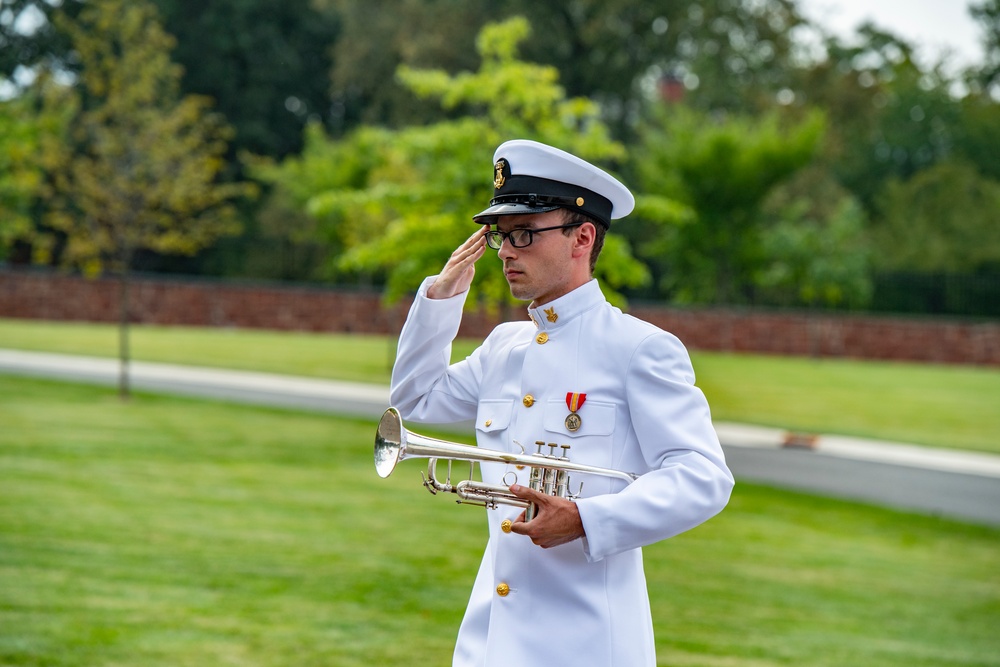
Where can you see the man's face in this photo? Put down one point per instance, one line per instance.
(541, 272)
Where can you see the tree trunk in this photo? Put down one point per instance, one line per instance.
(123, 343)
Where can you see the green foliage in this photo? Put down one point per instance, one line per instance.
(42, 44)
(399, 201)
(591, 68)
(734, 56)
(815, 244)
(977, 138)
(987, 12)
(375, 42)
(722, 168)
(915, 127)
(23, 129)
(294, 216)
(138, 165)
(822, 263)
(19, 175)
(945, 218)
(894, 124)
(610, 51)
(890, 117)
(265, 64)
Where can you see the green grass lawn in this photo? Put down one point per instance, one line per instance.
(174, 532)
(935, 405)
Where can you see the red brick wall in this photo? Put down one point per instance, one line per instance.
(39, 295)
(855, 336)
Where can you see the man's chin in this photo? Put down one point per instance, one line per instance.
(520, 293)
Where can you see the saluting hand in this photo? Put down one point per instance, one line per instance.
(556, 522)
(457, 274)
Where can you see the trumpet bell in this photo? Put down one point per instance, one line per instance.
(390, 441)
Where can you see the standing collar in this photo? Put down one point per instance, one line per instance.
(556, 313)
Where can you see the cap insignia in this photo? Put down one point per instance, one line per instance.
(498, 179)
(579, 201)
(550, 315)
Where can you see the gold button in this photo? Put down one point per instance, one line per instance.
(528, 400)
(503, 590)
(505, 525)
(488, 422)
(542, 338)
(579, 201)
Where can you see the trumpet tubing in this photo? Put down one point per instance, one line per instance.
(549, 472)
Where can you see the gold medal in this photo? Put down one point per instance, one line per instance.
(573, 422)
(574, 402)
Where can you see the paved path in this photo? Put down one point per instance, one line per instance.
(958, 484)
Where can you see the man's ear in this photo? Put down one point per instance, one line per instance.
(585, 236)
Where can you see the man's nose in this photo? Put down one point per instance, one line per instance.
(507, 249)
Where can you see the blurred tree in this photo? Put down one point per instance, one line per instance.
(28, 39)
(977, 138)
(374, 43)
(722, 168)
(399, 201)
(253, 56)
(292, 226)
(814, 243)
(24, 124)
(887, 117)
(266, 64)
(987, 77)
(943, 219)
(138, 166)
(895, 124)
(733, 54)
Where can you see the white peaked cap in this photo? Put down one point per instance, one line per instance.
(530, 177)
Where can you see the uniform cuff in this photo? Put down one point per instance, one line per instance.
(591, 547)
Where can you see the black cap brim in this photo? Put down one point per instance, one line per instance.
(490, 215)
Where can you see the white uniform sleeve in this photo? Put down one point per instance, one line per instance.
(688, 482)
(424, 387)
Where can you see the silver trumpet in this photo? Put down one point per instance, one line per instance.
(549, 472)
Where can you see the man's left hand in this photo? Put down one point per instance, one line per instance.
(557, 520)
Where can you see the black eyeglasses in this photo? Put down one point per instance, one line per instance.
(521, 237)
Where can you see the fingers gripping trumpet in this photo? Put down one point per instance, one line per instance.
(549, 472)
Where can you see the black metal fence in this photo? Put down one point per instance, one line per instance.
(974, 295)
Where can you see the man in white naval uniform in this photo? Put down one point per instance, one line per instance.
(566, 587)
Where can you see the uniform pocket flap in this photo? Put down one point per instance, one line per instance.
(595, 418)
(494, 415)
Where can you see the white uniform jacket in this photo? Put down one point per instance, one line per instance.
(585, 602)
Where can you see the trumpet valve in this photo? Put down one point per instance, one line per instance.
(549, 481)
(562, 484)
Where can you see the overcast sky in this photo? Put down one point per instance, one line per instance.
(937, 26)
